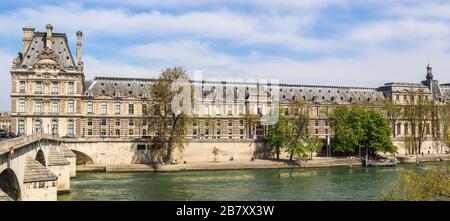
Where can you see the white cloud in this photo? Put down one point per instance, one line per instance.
(5, 79)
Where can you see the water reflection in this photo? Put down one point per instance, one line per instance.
(340, 183)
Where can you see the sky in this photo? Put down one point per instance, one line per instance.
(320, 42)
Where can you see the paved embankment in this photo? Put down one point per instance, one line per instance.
(221, 165)
(424, 158)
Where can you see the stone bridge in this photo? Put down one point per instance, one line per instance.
(35, 167)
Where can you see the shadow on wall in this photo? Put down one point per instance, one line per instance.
(141, 154)
(82, 158)
(9, 184)
(262, 151)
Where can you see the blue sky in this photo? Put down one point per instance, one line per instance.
(323, 42)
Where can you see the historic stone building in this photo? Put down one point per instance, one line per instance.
(51, 95)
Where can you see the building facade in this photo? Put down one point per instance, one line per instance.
(50, 95)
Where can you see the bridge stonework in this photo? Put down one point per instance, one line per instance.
(37, 169)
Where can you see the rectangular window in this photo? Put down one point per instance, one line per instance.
(218, 109)
(230, 123)
(22, 105)
(316, 123)
(70, 88)
(398, 97)
(103, 108)
(194, 132)
(117, 122)
(55, 88)
(326, 131)
(206, 123)
(131, 123)
(206, 109)
(130, 108)
(89, 122)
(22, 86)
(90, 108)
(89, 132)
(103, 122)
(286, 110)
(103, 134)
(194, 123)
(118, 132)
(230, 132)
(230, 109)
(130, 132)
(117, 108)
(38, 87)
(218, 123)
(259, 110)
(241, 109)
(241, 123)
(70, 106)
(55, 106)
(317, 131)
(218, 133)
(38, 108)
(241, 133)
(206, 133)
(326, 123)
(399, 128)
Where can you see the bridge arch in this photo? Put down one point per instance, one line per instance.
(40, 157)
(10, 184)
(82, 158)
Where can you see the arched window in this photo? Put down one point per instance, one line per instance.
(21, 127)
(55, 127)
(38, 126)
(70, 128)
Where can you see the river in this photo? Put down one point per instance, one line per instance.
(337, 183)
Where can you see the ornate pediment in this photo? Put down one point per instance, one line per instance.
(47, 59)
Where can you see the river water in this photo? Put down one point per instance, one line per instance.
(337, 183)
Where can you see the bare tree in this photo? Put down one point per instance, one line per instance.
(418, 112)
(168, 126)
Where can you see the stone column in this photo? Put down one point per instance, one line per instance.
(49, 36)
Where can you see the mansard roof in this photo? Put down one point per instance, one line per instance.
(138, 88)
(38, 46)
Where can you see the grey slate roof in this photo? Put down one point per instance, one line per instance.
(34, 172)
(122, 87)
(55, 158)
(60, 48)
(445, 89)
(138, 88)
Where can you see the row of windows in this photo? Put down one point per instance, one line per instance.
(117, 132)
(54, 90)
(218, 123)
(406, 129)
(54, 127)
(104, 108)
(217, 135)
(411, 97)
(103, 122)
(218, 109)
(54, 106)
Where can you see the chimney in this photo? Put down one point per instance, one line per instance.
(28, 33)
(49, 36)
(79, 48)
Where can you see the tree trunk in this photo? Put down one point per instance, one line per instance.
(291, 155)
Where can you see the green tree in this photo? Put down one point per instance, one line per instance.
(355, 127)
(421, 185)
(169, 127)
(280, 135)
(313, 144)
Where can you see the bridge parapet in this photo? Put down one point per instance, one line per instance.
(19, 142)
